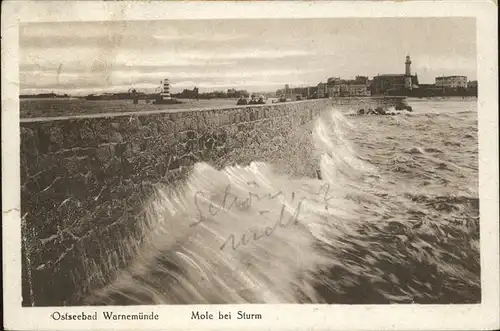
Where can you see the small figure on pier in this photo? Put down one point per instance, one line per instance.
(242, 101)
(133, 95)
(253, 100)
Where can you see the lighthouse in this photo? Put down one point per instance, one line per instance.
(163, 95)
(408, 81)
(165, 90)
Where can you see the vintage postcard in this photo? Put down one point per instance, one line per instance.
(250, 166)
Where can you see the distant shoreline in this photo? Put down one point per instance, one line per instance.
(36, 109)
(21, 97)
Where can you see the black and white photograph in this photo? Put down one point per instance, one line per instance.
(229, 161)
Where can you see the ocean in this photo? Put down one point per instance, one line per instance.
(392, 217)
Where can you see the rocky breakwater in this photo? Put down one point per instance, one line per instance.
(383, 111)
(85, 181)
(383, 106)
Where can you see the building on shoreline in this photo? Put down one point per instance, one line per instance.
(358, 90)
(472, 84)
(404, 84)
(322, 90)
(447, 86)
(358, 87)
(395, 84)
(337, 87)
(452, 82)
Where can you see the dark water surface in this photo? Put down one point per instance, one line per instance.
(392, 218)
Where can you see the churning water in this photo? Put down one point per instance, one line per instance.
(392, 218)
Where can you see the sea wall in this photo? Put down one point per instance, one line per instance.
(86, 179)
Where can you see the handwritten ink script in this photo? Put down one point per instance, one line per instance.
(230, 201)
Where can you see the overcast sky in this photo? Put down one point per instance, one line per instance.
(258, 55)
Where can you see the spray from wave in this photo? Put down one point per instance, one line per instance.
(249, 234)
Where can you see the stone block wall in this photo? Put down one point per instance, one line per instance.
(85, 181)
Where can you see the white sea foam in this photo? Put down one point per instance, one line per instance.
(245, 234)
